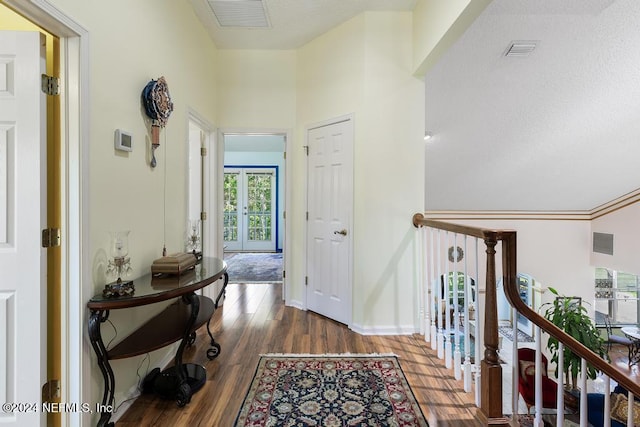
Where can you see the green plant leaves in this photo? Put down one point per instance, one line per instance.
(572, 317)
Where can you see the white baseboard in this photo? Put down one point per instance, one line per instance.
(367, 330)
(295, 304)
(384, 330)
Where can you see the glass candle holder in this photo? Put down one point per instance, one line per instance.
(193, 237)
(120, 264)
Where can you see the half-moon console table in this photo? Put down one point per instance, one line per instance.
(178, 321)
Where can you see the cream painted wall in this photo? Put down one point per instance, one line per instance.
(329, 84)
(626, 239)
(257, 92)
(153, 38)
(126, 192)
(256, 89)
(364, 68)
(389, 158)
(437, 25)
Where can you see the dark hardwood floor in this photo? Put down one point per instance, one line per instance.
(253, 320)
(619, 357)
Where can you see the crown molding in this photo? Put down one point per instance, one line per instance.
(588, 215)
(508, 215)
(616, 204)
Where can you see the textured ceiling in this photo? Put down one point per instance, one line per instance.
(293, 22)
(558, 130)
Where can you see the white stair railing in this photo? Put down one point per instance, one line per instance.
(447, 324)
(448, 290)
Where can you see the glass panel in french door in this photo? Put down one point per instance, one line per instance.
(231, 223)
(259, 206)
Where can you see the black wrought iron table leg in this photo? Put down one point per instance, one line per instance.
(96, 318)
(184, 392)
(214, 351)
(220, 294)
(223, 290)
(634, 352)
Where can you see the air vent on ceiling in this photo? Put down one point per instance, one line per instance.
(240, 13)
(520, 48)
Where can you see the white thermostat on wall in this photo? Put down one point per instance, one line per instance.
(123, 140)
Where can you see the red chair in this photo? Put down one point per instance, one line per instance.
(526, 380)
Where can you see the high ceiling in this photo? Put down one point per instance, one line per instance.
(557, 130)
(290, 23)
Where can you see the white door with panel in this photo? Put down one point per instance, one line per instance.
(22, 217)
(330, 210)
(249, 209)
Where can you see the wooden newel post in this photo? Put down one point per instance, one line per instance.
(490, 369)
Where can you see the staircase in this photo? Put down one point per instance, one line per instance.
(458, 300)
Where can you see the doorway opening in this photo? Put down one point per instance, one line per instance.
(253, 206)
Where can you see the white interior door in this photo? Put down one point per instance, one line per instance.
(250, 195)
(22, 216)
(330, 203)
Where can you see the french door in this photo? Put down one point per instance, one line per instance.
(249, 209)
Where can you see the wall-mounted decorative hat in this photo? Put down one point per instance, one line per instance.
(158, 106)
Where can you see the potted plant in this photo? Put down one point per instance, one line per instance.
(571, 316)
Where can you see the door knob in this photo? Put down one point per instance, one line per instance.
(343, 232)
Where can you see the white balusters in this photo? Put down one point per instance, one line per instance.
(421, 274)
(479, 330)
(446, 294)
(457, 359)
(560, 381)
(515, 371)
(607, 402)
(441, 340)
(583, 393)
(448, 346)
(433, 295)
(538, 380)
(467, 324)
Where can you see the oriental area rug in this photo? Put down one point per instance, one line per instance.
(329, 390)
